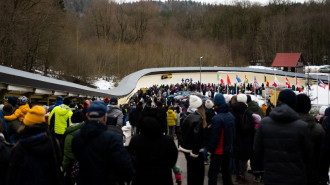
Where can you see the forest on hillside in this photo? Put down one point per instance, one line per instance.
(76, 40)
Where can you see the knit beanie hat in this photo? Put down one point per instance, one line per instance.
(34, 116)
(106, 100)
(288, 97)
(242, 98)
(303, 103)
(195, 101)
(256, 118)
(219, 99)
(209, 104)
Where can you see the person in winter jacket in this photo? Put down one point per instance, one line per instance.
(171, 121)
(325, 150)
(115, 115)
(317, 135)
(103, 160)
(153, 154)
(35, 158)
(12, 126)
(59, 119)
(254, 107)
(220, 144)
(209, 112)
(21, 111)
(244, 134)
(59, 101)
(77, 120)
(282, 144)
(5, 151)
(191, 143)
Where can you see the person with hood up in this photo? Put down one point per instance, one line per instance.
(317, 135)
(115, 115)
(103, 160)
(282, 144)
(244, 134)
(221, 141)
(35, 158)
(20, 111)
(59, 119)
(193, 123)
(59, 101)
(171, 119)
(153, 154)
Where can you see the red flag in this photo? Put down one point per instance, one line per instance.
(276, 82)
(297, 82)
(228, 80)
(287, 82)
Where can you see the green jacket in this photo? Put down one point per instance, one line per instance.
(254, 108)
(60, 118)
(68, 158)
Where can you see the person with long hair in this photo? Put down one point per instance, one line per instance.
(193, 123)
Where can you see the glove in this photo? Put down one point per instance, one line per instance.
(178, 178)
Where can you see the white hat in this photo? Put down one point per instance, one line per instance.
(241, 98)
(209, 104)
(322, 110)
(195, 101)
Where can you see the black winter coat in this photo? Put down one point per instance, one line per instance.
(192, 133)
(283, 145)
(101, 155)
(35, 159)
(317, 136)
(244, 132)
(153, 154)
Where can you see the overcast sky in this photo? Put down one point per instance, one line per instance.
(263, 2)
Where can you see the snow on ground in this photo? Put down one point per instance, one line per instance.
(103, 84)
(262, 67)
(319, 95)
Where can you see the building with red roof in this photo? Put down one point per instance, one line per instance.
(292, 62)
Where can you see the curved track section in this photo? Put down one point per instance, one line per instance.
(143, 78)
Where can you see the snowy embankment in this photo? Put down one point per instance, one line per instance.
(104, 83)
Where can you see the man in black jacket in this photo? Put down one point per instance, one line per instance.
(100, 152)
(282, 144)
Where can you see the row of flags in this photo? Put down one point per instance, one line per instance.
(276, 82)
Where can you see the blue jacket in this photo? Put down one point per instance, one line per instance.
(101, 155)
(57, 103)
(4, 124)
(222, 131)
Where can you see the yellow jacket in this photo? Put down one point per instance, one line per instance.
(19, 113)
(171, 117)
(60, 118)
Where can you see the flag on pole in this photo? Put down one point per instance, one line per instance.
(238, 79)
(287, 82)
(267, 82)
(228, 80)
(297, 82)
(320, 83)
(276, 82)
(220, 79)
(246, 80)
(256, 84)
